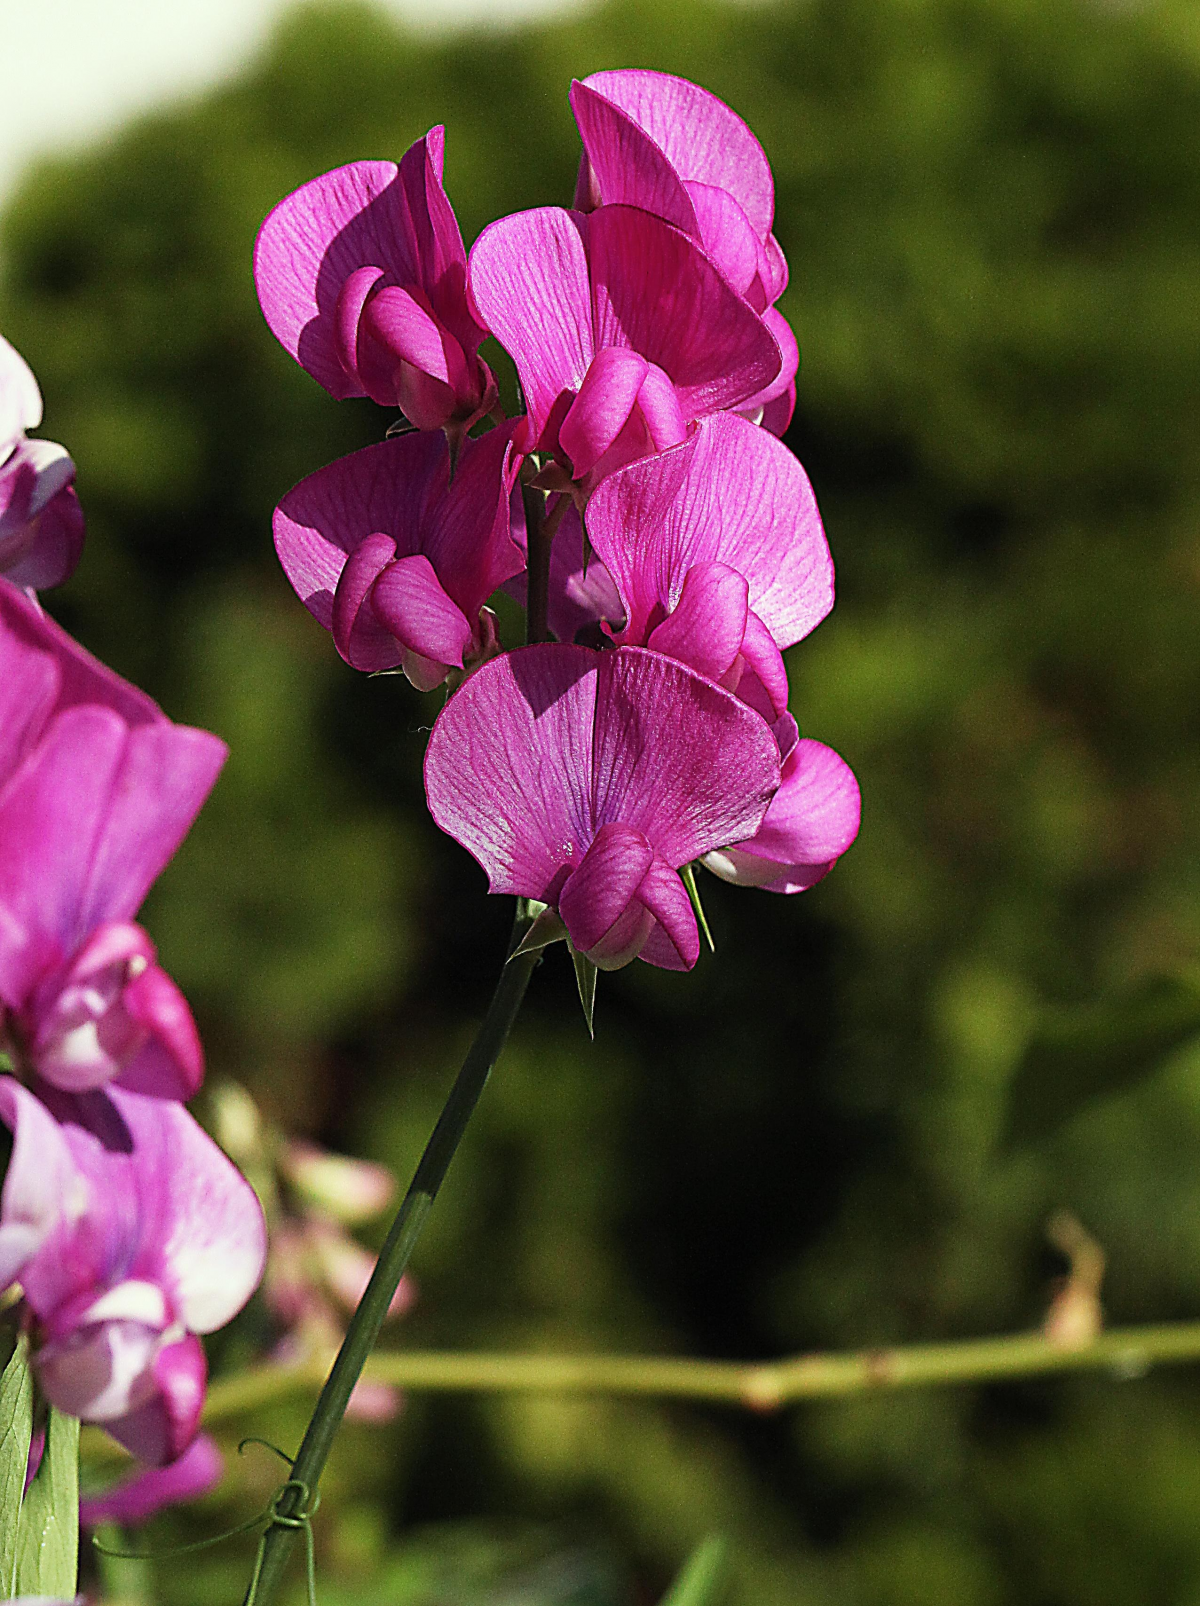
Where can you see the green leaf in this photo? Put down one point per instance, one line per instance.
(48, 1530)
(703, 1579)
(1083, 1055)
(688, 874)
(585, 980)
(16, 1430)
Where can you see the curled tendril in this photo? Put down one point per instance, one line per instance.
(295, 1490)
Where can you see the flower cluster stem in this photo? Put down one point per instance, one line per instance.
(393, 1259)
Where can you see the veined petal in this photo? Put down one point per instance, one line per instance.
(762, 682)
(655, 291)
(676, 757)
(528, 277)
(703, 139)
(674, 942)
(785, 379)
(707, 624)
(357, 632)
(28, 688)
(730, 494)
(725, 232)
(408, 600)
(626, 164)
(815, 815)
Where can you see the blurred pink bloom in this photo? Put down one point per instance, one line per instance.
(97, 789)
(717, 552)
(334, 1185)
(130, 1233)
(670, 147)
(396, 559)
(361, 274)
(153, 1489)
(622, 330)
(41, 522)
(586, 779)
(810, 822)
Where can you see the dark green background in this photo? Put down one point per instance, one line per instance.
(992, 214)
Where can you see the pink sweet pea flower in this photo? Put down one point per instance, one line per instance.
(97, 789)
(811, 820)
(130, 1233)
(41, 522)
(396, 559)
(717, 551)
(586, 779)
(361, 275)
(622, 330)
(660, 143)
(153, 1489)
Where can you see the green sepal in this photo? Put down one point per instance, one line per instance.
(703, 1579)
(16, 1430)
(585, 980)
(48, 1527)
(544, 928)
(6, 1064)
(688, 875)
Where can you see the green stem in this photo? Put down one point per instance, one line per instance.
(539, 538)
(393, 1259)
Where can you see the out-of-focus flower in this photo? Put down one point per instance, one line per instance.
(672, 148)
(585, 780)
(41, 522)
(97, 789)
(396, 558)
(623, 333)
(361, 274)
(717, 552)
(130, 1233)
(152, 1489)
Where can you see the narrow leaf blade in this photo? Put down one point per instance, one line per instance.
(16, 1430)
(48, 1529)
(703, 1579)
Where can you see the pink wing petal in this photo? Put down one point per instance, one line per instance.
(28, 687)
(600, 891)
(674, 942)
(725, 232)
(529, 280)
(706, 627)
(702, 138)
(655, 291)
(40, 1183)
(785, 379)
(159, 1431)
(466, 535)
(409, 601)
(601, 410)
(626, 164)
(139, 1498)
(357, 633)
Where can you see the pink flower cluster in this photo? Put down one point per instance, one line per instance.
(585, 771)
(125, 1228)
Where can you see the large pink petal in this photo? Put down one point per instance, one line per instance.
(408, 600)
(702, 138)
(81, 678)
(28, 687)
(655, 291)
(508, 768)
(730, 494)
(529, 281)
(677, 757)
(626, 164)
(466, 532)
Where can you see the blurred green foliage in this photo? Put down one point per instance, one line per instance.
(992, 213)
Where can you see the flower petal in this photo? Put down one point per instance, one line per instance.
(599, 892)
(706, 626)
(598, 414)
(408, 600)
(674, 941)
(148, 1492)
(626, 164)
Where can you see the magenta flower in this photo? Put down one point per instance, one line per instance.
(361, 275)
(41, 522)
(622, 330)
(153, 1489)
(396, 559)
(811, 820)
(130, 1233)
(585, 780)
(717, 552)
(660, 143)
(97, 789)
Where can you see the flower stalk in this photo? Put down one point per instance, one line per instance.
(393, 1260)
